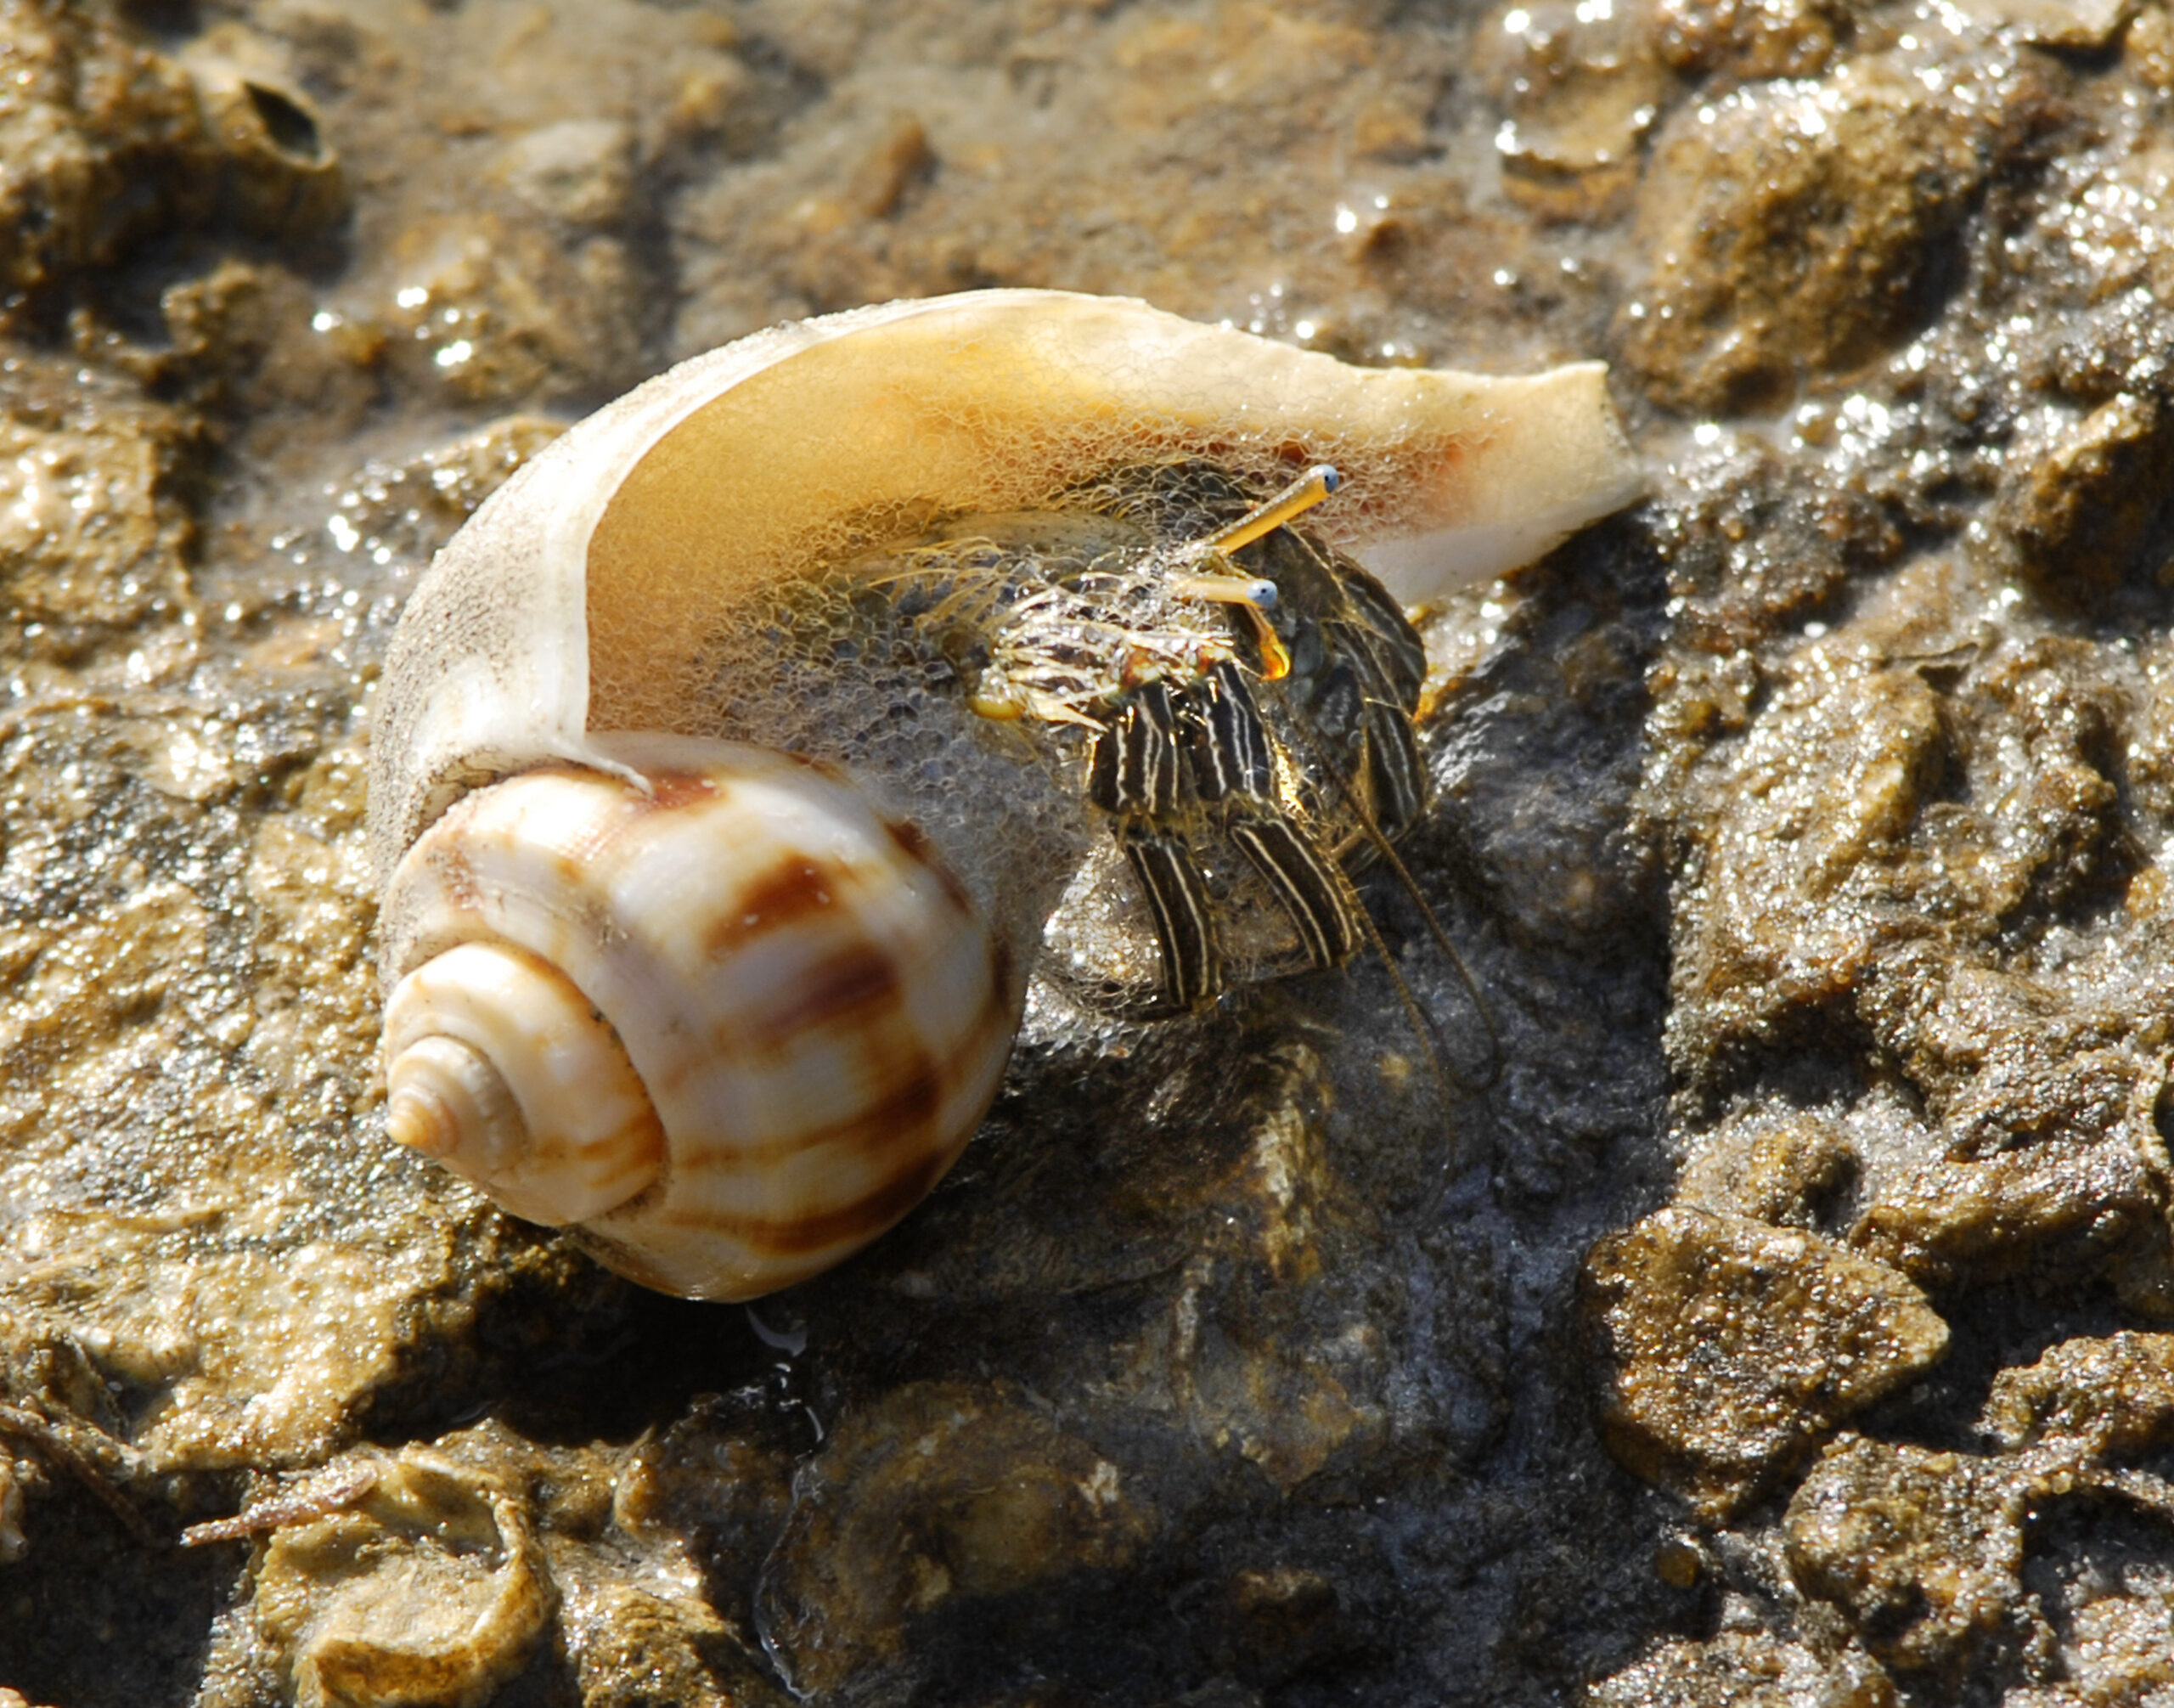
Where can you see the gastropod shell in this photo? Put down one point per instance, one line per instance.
(731, 760)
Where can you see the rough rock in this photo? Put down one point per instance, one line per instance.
(924, 1517)
(1924, 1550)
(430, 1588)
(2113, 1399)
(1748, 1670)
(1803, 832)
(1797, 228)
(1732, 1347)
(92, 117)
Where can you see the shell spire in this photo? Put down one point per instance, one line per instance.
(801, 995)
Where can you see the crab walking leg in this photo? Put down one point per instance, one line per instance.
(1318, 905)
(1192, 968)
(1135, 779)
(1229, 751)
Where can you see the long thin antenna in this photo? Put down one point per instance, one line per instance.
(1422, 1029)
(1383, 847)
(1450, 950)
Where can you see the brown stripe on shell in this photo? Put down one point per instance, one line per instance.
(914, 842)
(918, 1101)
(853, 1223)
(644, 1151)
(911, 1107)
(913, 1114)
(858, 977)
(791, 890)
(907, 1084)
(924, 1087)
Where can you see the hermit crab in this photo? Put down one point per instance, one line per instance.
(732, 761)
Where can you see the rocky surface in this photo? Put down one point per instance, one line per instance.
(1780, 1325)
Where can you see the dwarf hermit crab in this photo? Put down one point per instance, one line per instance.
(733, 758)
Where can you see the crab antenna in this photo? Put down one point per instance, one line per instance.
(1410, 885)
(1493, 1068)
(1422, 1029)
(1295, 500)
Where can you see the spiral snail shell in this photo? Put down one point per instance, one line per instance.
(718, 837)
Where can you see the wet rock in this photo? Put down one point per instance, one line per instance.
(1265, 1626)
(578, 171)
(1797, 228)
(432, 1589)
(903, 184)
(520, 269)
(1752, 38)
(453, 1567)
(1847, 843)
(14, 1543)
(193, 1282)
(109, 143)
(927, 1516)
(635, 1646)
(710, 1494)
(1732, 1348)
(1924, 1550)
(2085, 24)
(2082, 509)
(243, 338)
(2110, 1399)
(1927, 1551)
(2119, 1645)
(279, 173)
(400, 510)
(1919, 975)
(1785, 1169)
(1760, 934)
(2063, 1164)
(1581, 90)
(93, 528)
(1748, 1670)
(1254, 1330)
(94, 120)
(1754, 550)
(493, 313)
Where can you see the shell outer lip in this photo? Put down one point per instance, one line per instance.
(489, 672)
